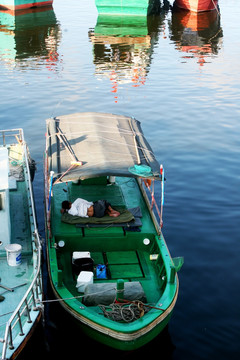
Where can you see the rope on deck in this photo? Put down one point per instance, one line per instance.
(125, 312)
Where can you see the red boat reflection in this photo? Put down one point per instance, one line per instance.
(196, 34)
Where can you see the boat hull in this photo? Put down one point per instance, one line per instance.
(127, 7)
(121, 341)
(23, 4)
(197, 5)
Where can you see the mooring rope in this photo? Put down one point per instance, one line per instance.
(126, 310)
(216, 7)
(74, 297)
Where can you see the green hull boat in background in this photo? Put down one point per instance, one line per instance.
(20, 247)
(127, 7)
(113, 275)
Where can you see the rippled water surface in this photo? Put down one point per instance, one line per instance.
(179, 75)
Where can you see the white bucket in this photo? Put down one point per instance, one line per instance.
(14, 256)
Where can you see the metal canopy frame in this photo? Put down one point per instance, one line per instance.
(86, 145)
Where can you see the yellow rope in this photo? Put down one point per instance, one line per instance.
(215, 7)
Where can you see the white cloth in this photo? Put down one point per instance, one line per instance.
(79, 207)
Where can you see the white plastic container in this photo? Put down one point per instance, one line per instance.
(14, 254)
(80, 254)
(84, 278)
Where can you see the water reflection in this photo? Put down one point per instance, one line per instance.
(197, 35)
(29, 38)
(123, 48)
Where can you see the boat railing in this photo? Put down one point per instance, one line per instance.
(13, 133)
(23, 309)
(31, 297)
(156, 211)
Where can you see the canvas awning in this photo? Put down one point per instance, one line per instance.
(105, 144)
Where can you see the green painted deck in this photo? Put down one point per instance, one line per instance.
(19, 212)
(12, 276)
(124, 194)
(123, 252)
(143, 270)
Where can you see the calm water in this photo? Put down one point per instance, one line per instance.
(184, 87)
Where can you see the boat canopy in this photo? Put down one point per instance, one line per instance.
(87, 145)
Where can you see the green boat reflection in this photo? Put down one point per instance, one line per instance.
(123, 47)
(29, 36)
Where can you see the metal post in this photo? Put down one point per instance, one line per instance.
(11, 347)
(20, 324)
(28, 312)
(120, 290)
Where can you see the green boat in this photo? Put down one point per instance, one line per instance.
(20, 247)
(127, 7)
(113, 274)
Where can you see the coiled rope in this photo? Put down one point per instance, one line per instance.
(125, 312)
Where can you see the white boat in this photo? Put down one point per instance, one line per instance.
(20, 247)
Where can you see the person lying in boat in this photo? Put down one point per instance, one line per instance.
(84, 208)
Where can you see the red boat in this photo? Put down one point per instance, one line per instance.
(197, 5)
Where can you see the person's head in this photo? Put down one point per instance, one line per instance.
(66, 205)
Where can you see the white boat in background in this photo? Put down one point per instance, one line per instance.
(20, 247)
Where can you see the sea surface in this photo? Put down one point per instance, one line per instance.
(179, 75)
